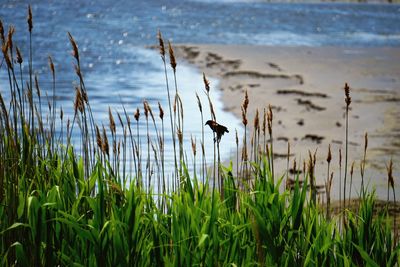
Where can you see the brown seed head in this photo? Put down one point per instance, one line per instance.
(245, 101)
(10, 34)
(171, 56)
(180, 136)
(78, 103)
(19, 56)
(244, 117)
(236, 138)
(37, 86)
(146, 109)
(2, 32)
(75, 51)
(340, 157)
(61, 113)
(206, 83)
(264, 125)
(193, 145)
(257, 122)
(112, 122)
(365, 142)
(51, 65)
(161, 111)
(98, 138)
(352, 168)
(390, 173)
(329, 158)
(105, 147)
(199, 103)
(161, 47)
(29, 19)
(347, 94)
(137, 114)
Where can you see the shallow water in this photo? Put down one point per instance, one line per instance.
(112, 36)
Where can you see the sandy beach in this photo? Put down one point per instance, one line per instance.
(304, 86)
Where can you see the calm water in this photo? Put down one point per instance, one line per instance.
(112, 36)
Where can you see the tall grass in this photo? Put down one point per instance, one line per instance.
(65, 207)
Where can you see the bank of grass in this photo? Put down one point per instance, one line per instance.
(86, 207)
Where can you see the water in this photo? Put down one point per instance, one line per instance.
(118, 68)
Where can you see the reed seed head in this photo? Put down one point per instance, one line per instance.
(98, 138)
(37, 86)
(51, 65)
(329, 158)
(390, 173)
(347, 94)
(61, 113)
(257, 122)
(161, 111)
(340, 157)
(365, 142)
(245, 101)
(10, 34)
(193, 145)
(75, 51)
(111, 120)
(146, 109)
(206, 83)
(199, 103)
(2, 32)
(236, 138)
(180, 136)
(29, 19)
(137, 114)
(244, 117)
(264, 125)
(172, 56)
(161, 46)
(78, 103)
(352, 168)
(105, 147)
(19, 56)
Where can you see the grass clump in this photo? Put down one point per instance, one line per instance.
(61, 206)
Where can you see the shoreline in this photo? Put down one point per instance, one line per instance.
(304, 86)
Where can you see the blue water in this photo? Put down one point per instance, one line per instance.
(118, 68)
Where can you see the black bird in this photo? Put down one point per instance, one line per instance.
(217, 128)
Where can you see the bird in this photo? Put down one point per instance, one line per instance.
(217, 128)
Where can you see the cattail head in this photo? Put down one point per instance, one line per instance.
(206, 83)
(294, 166)
(75, 51)
(347, 95)
(51, 65)
(329, 157)
(61, 113)
(161, 47)
(112, 122)
(4, 49)
(390, 173)
(161, 111)
(29, 19)
(19, 56)
(340, 157)
(137, 114)
(37, 86)
(288, 150)
(199, 103)
(172, 56)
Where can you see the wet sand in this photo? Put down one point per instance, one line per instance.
(304, 86)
